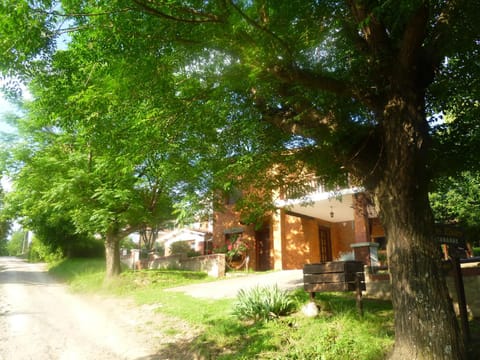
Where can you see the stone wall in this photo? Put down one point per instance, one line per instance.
(378, 286)
(471, 282)
(213, 265)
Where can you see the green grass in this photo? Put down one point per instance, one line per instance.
(88, 275)
(83, 275)
(338, 333)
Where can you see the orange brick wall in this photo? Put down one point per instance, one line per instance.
(315, 243)
(228, 219)
(343, 234)
(222, 221)
(377, 229)
(295, 247)
(300, 244)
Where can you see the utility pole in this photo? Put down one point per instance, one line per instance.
(25, 242)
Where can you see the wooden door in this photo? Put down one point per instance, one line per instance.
(325, 244)
(262, 238)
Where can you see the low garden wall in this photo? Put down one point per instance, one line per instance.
(213, 265)
(378, 286)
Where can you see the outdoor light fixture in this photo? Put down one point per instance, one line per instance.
(331, 212)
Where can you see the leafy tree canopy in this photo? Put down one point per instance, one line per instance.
(456, 200)
(235, 86)
(16, 245)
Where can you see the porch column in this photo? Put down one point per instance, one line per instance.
(364, 249)
(360, 218)
(278, 219)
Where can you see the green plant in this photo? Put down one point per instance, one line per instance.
(16, 244)
(180, 247)
(235, 248)
(476, 251)
(339, 335)
(263, 303)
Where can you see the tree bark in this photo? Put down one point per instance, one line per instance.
(425, 322)
(112, 255)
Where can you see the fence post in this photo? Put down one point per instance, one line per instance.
(358, 284)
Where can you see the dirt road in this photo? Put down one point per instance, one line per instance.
(40, 319)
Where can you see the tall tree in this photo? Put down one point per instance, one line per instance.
(456, 200)
(80, 163)
(16, 245)
(347, 81)
(5, 225)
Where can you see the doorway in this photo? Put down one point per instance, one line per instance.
(325, 244)
(262, 239)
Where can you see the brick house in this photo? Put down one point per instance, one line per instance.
(315, 228)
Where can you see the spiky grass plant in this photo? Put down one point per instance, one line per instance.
(263, 303)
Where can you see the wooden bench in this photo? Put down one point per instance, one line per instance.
(335, 276)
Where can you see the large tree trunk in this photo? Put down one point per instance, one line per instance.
(425, 322)
(112, 255)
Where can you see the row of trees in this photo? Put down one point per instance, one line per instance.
(15, 246)
(149, 100)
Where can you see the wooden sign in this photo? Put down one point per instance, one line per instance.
(450, 235)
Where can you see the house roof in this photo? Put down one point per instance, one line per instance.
(182, 234)
(322, 205)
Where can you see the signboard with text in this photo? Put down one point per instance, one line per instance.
(450, 235)
(453, 237)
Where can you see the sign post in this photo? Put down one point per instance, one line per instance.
(454, 238)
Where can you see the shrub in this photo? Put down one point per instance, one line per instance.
(183, 247)
(16, 244)
(263, 303)
(40, 252)
(476, 251)
(180, 247)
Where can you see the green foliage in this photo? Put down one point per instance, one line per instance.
(39, 251)
(5, 226)
(87, 275)
(235, 248)
(83, 275)
(456, 200)
(16, 244)
(128, 243)
(90, 166)
(224, 90)
(337, 334)
(182, 247)
(3, 247)
(263, 303)
(160, 249)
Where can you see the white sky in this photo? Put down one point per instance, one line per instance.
(5, 107)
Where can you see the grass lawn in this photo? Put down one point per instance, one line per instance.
(337, 333)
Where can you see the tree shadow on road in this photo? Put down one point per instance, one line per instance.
(245, 343)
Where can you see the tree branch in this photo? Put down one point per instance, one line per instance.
(414, 37)
(92, 14)
(441, 31)
(373, 30)
(310, 80)
(298, 118)
(259, 27)
(198, 16)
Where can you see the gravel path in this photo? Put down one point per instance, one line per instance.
(40, 319)
(229, 287)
